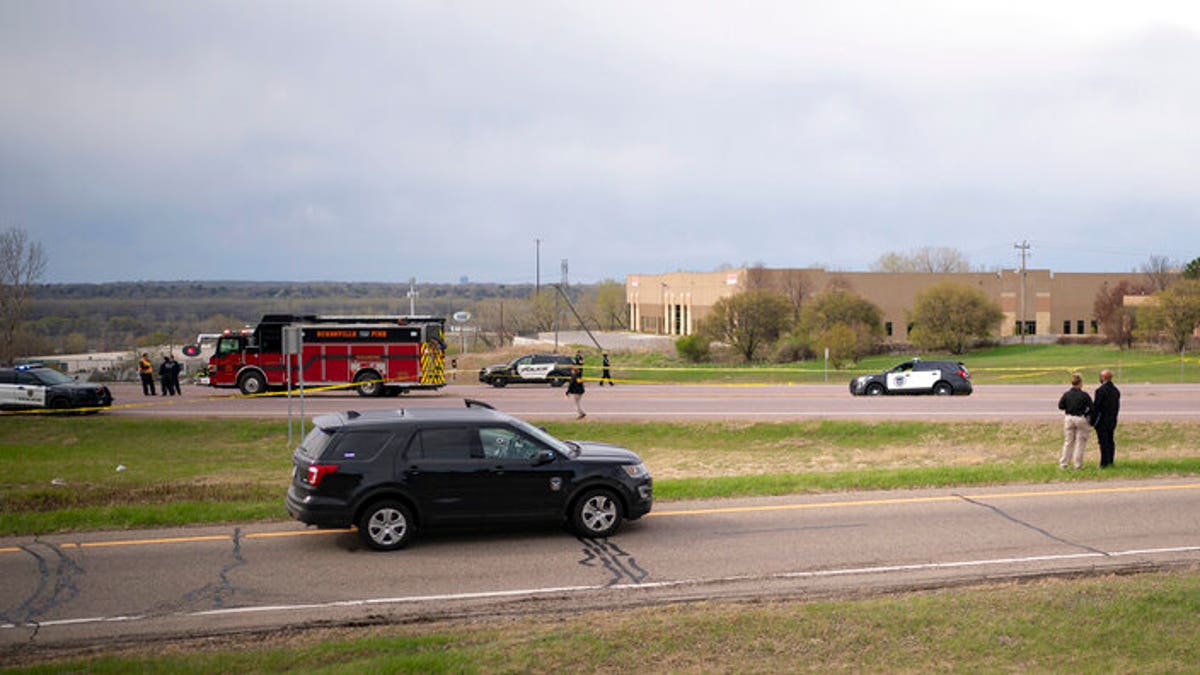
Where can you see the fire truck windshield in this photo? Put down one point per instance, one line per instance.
(228, 345)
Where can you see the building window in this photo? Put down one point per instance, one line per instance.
(887, 328)
(1079, 326)
(1031, 328)
(1067, 327)
(1095, 328)
(908, 329)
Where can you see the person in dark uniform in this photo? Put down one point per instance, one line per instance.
(1105, 409)
(1076, 406)
(575, 391)
(607, 374)
(176, 369)
(146, 372)
(164, 376)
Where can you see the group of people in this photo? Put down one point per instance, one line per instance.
(575, 388)
(1082, 412)
(168, 375)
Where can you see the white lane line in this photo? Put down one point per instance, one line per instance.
(571, 590)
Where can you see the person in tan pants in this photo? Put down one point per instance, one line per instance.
(1076, 406)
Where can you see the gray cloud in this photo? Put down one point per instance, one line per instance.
(378, 141)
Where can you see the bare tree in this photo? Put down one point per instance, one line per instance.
(938, 260)
(1159, 271)
(22, 264)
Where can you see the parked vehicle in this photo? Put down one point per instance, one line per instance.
(554, 369)
(29, 387)
(381, 354)
(943, 378)
(392, 472)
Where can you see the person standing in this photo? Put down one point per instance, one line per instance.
(176, 368)
(1104, 417)
(1076, 406)
(164, 375)
(575, 391)
(146, 372)
(606, 375)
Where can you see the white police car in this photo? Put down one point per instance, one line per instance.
(942, 378)
(31, 387)
(532, 368)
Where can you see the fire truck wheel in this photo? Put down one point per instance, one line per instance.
(369, 383)
(252, 383)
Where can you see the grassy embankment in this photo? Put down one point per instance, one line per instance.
(101, 472)
(1142, 623)
(1028, 364)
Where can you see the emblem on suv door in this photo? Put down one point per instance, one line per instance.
(555, 484)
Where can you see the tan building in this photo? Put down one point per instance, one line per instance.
(1039, 301)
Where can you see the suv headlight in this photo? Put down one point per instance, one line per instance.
(638, 470)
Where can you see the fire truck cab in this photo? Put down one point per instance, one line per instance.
(381, 355)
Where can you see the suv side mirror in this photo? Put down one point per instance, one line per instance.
(544, 457)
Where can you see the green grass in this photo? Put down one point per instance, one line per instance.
(1142, 623)
(62, 474)
(1030, 364)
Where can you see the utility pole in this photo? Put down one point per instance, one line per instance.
(1023, 247)
(537, 287)
(412, 296)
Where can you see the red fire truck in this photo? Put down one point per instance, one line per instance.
(384, 355)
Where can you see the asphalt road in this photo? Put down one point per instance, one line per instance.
(136, 585)
(685, 402)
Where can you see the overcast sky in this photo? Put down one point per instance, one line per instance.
(377, 141)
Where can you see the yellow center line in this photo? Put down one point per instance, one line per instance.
(663, 514)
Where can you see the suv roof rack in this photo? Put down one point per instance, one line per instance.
(473, 403)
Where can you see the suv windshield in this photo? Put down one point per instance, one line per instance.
(49, 376)
(544, 437)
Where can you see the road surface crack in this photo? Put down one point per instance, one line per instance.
(1045, 533)
(607, 555)
(56, 586)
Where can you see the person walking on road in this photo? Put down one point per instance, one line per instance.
(146, 372)
(1104, 417)
(1076, 406)
(575, 391)
(606, 374)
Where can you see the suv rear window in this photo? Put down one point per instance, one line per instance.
(448, 443)
(314, 444)
(359, 445)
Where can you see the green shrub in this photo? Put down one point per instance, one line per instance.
(694, 348)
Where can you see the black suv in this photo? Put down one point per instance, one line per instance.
(26, 387)
(944, 378)
(539, 368)
(391, 472)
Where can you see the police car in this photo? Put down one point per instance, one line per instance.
(30, 387)
(943, 378)
(534, 368)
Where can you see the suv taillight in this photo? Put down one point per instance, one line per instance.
(317, 472)
(964, 374)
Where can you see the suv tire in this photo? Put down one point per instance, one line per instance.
(386, 526)
(499, 382)
(597, 514)
(874, 389)
(943, 389)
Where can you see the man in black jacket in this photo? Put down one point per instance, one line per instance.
(1076, 405)
(1104, 417)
